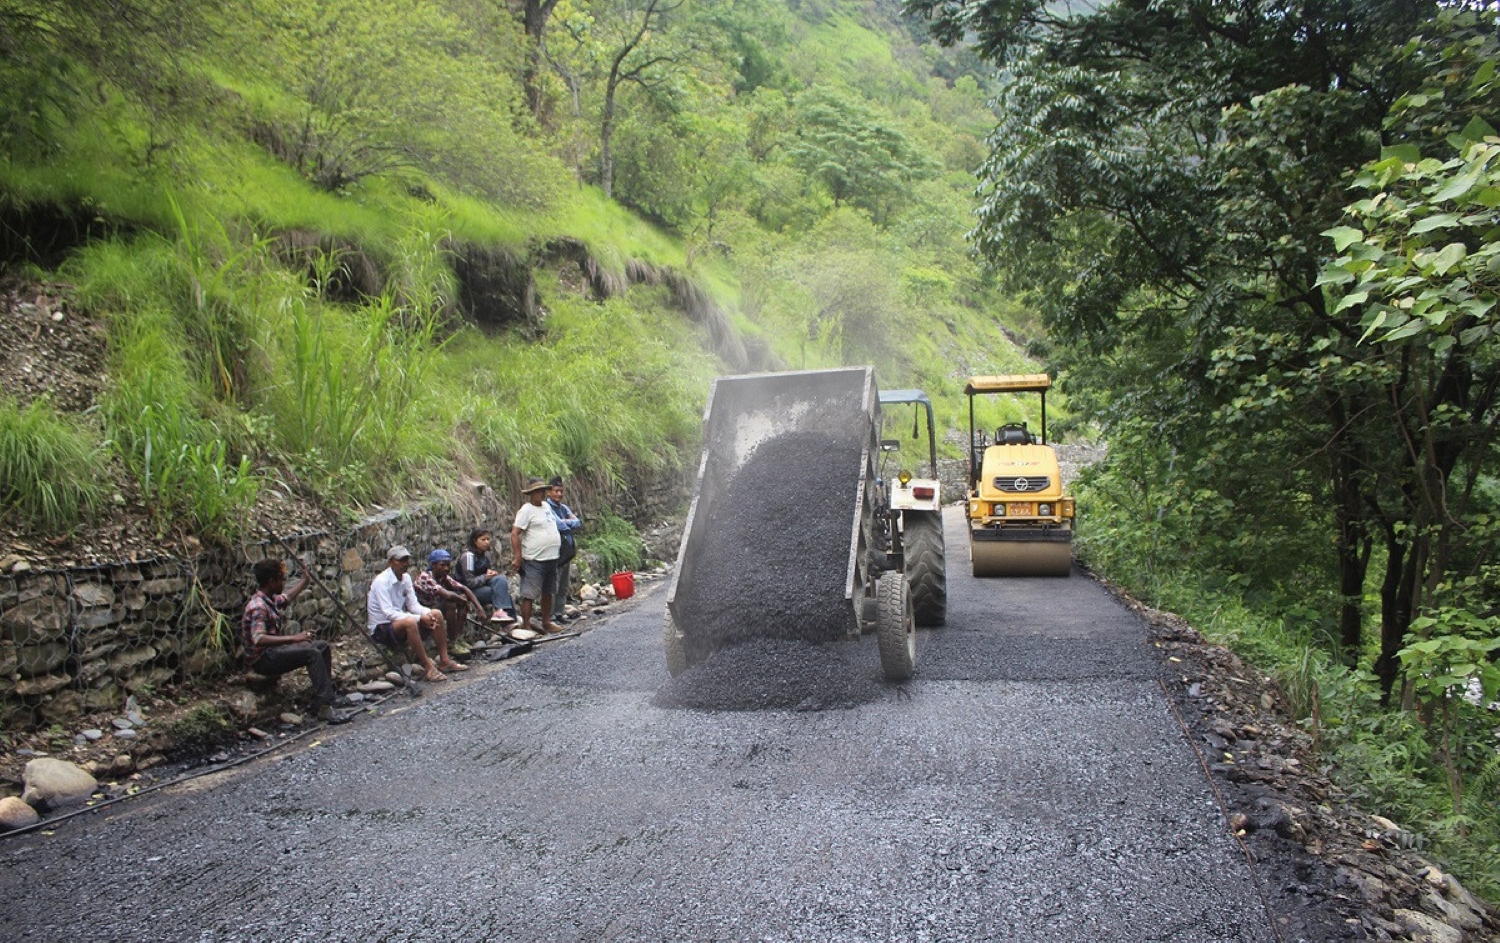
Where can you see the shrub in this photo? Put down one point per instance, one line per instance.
(614, 542)
(48, 465)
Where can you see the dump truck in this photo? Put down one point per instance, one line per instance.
(915, 510)
(785, 535)
(1020, 517)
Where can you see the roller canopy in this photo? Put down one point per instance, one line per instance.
(1015, 383)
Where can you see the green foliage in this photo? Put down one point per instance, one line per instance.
(378, 87)
(613, 541)
(48, 466)
(859, 159)
(1159, 184)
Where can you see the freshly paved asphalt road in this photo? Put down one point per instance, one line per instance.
(1028, 784)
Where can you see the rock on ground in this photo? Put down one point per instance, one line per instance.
(56, 784)
(16, 814)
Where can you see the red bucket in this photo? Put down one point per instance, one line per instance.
(624, 584)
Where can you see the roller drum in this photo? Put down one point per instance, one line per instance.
(1021, 557)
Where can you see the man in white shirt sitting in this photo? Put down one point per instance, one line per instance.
(396, 618)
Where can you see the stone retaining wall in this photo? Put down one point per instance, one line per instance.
(79, 640)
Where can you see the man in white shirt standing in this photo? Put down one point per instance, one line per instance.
(396, 618)
(535, 544)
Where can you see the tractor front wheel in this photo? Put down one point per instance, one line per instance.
(895, 627)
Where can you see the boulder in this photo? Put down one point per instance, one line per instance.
(56, 784)
(94, 594)
(41, 657)
(165, 586)
(16, 814)
(244, 706)
(1421, 928)
(36, 687)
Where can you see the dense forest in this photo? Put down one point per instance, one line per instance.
(357, 250)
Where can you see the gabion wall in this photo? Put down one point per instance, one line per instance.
(80, 640)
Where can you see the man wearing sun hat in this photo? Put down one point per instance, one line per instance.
(535, 544)
(396, 619)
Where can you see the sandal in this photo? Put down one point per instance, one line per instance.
(434, 675)
(453, 666)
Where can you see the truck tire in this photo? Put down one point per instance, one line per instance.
(676, 650)
(926, 568)
(895, 627)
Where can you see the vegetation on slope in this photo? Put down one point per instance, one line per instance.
(1261, 238)
(289, 216)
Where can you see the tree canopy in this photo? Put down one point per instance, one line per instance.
(1159, 182)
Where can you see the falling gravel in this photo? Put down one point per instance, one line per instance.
(773, 559)
(774, 674)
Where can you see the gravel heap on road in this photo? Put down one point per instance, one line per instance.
(773, 558)
(773, 674)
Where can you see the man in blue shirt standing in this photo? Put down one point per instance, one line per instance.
(568, 526)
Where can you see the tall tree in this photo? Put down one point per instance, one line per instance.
(624, 42)
(860, 158)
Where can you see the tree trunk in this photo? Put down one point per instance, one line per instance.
(534, 22)
(1397, 600)
(1353, 541)
(606, 155)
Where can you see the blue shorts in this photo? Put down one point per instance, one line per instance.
(538, 579)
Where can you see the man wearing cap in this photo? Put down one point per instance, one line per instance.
(396, 618)
(568, 525)
(439, 590)
(534, 546)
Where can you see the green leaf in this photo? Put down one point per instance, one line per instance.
(1451, 254)
(1409, 329)
(1437, 221)
(1376, 323)
(1474, 335)
(1405, 153)
(1485, 72)
(1335, 275)
(1457, 187)
(1352, 299)
(1343, 236)
(1478, 129)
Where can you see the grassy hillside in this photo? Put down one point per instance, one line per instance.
(334, 253)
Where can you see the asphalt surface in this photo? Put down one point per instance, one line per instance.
(1029, 784)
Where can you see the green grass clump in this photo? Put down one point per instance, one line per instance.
(48, 465)
(614, 542)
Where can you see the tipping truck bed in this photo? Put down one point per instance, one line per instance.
(776, 539)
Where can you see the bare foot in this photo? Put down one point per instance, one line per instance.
(551, 628)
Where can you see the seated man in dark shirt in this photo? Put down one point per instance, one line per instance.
(270, 652)
(437, 589)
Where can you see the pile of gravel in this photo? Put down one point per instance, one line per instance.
(774, 674)
(772, 559)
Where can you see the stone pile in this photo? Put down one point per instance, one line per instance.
(1281, 806)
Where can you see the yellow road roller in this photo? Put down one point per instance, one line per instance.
(1020, 521)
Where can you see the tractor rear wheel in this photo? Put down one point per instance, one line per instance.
(895, 627)
(676, 650)
(926, 569)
